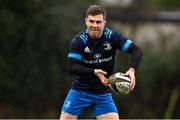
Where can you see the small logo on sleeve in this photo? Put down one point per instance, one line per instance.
(67, 104)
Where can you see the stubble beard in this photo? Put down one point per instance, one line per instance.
(95, 34)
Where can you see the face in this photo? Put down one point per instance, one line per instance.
(95, 25)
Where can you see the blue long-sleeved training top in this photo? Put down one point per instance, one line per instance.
(87, 54)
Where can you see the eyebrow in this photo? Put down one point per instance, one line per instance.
(97, 21)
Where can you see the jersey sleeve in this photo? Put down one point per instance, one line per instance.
(75, 57)
(126, 45)
(76, 49)
(121, 42)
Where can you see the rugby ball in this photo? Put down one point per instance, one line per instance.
(120, 83)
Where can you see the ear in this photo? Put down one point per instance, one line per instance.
(85, 20)
(104, 21)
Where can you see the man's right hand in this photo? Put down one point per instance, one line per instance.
(100, 74)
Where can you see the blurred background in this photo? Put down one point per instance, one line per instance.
(34, 43)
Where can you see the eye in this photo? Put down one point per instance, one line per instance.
(91, 21)
(98, 22)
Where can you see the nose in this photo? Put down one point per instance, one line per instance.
(94, 24)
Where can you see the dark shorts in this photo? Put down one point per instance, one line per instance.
(77, 101)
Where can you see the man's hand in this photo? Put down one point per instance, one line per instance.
(100, 74)
(131, 73)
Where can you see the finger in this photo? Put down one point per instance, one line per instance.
(132, 85)
(103, 72)
(126, 73)
(106, 81)
(105, 84)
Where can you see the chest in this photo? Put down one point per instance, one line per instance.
(98, 49)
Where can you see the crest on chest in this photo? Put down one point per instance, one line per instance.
(107, 45)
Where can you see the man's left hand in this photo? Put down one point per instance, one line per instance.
(131, 73)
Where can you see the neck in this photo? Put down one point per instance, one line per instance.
(95, 37)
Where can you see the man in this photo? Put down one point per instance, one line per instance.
(90, 61)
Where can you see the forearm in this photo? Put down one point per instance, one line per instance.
(136, 58)
(75, 68)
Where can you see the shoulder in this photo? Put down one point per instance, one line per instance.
(111, 33)
(79, 40)
(81, 37)
(107, 33)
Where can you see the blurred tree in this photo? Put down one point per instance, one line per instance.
(166, 4)
(33, 49)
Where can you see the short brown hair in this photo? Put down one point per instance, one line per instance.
(96, 10)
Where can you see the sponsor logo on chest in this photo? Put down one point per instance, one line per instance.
(97, 55)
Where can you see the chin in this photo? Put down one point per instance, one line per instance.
(95, 36)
